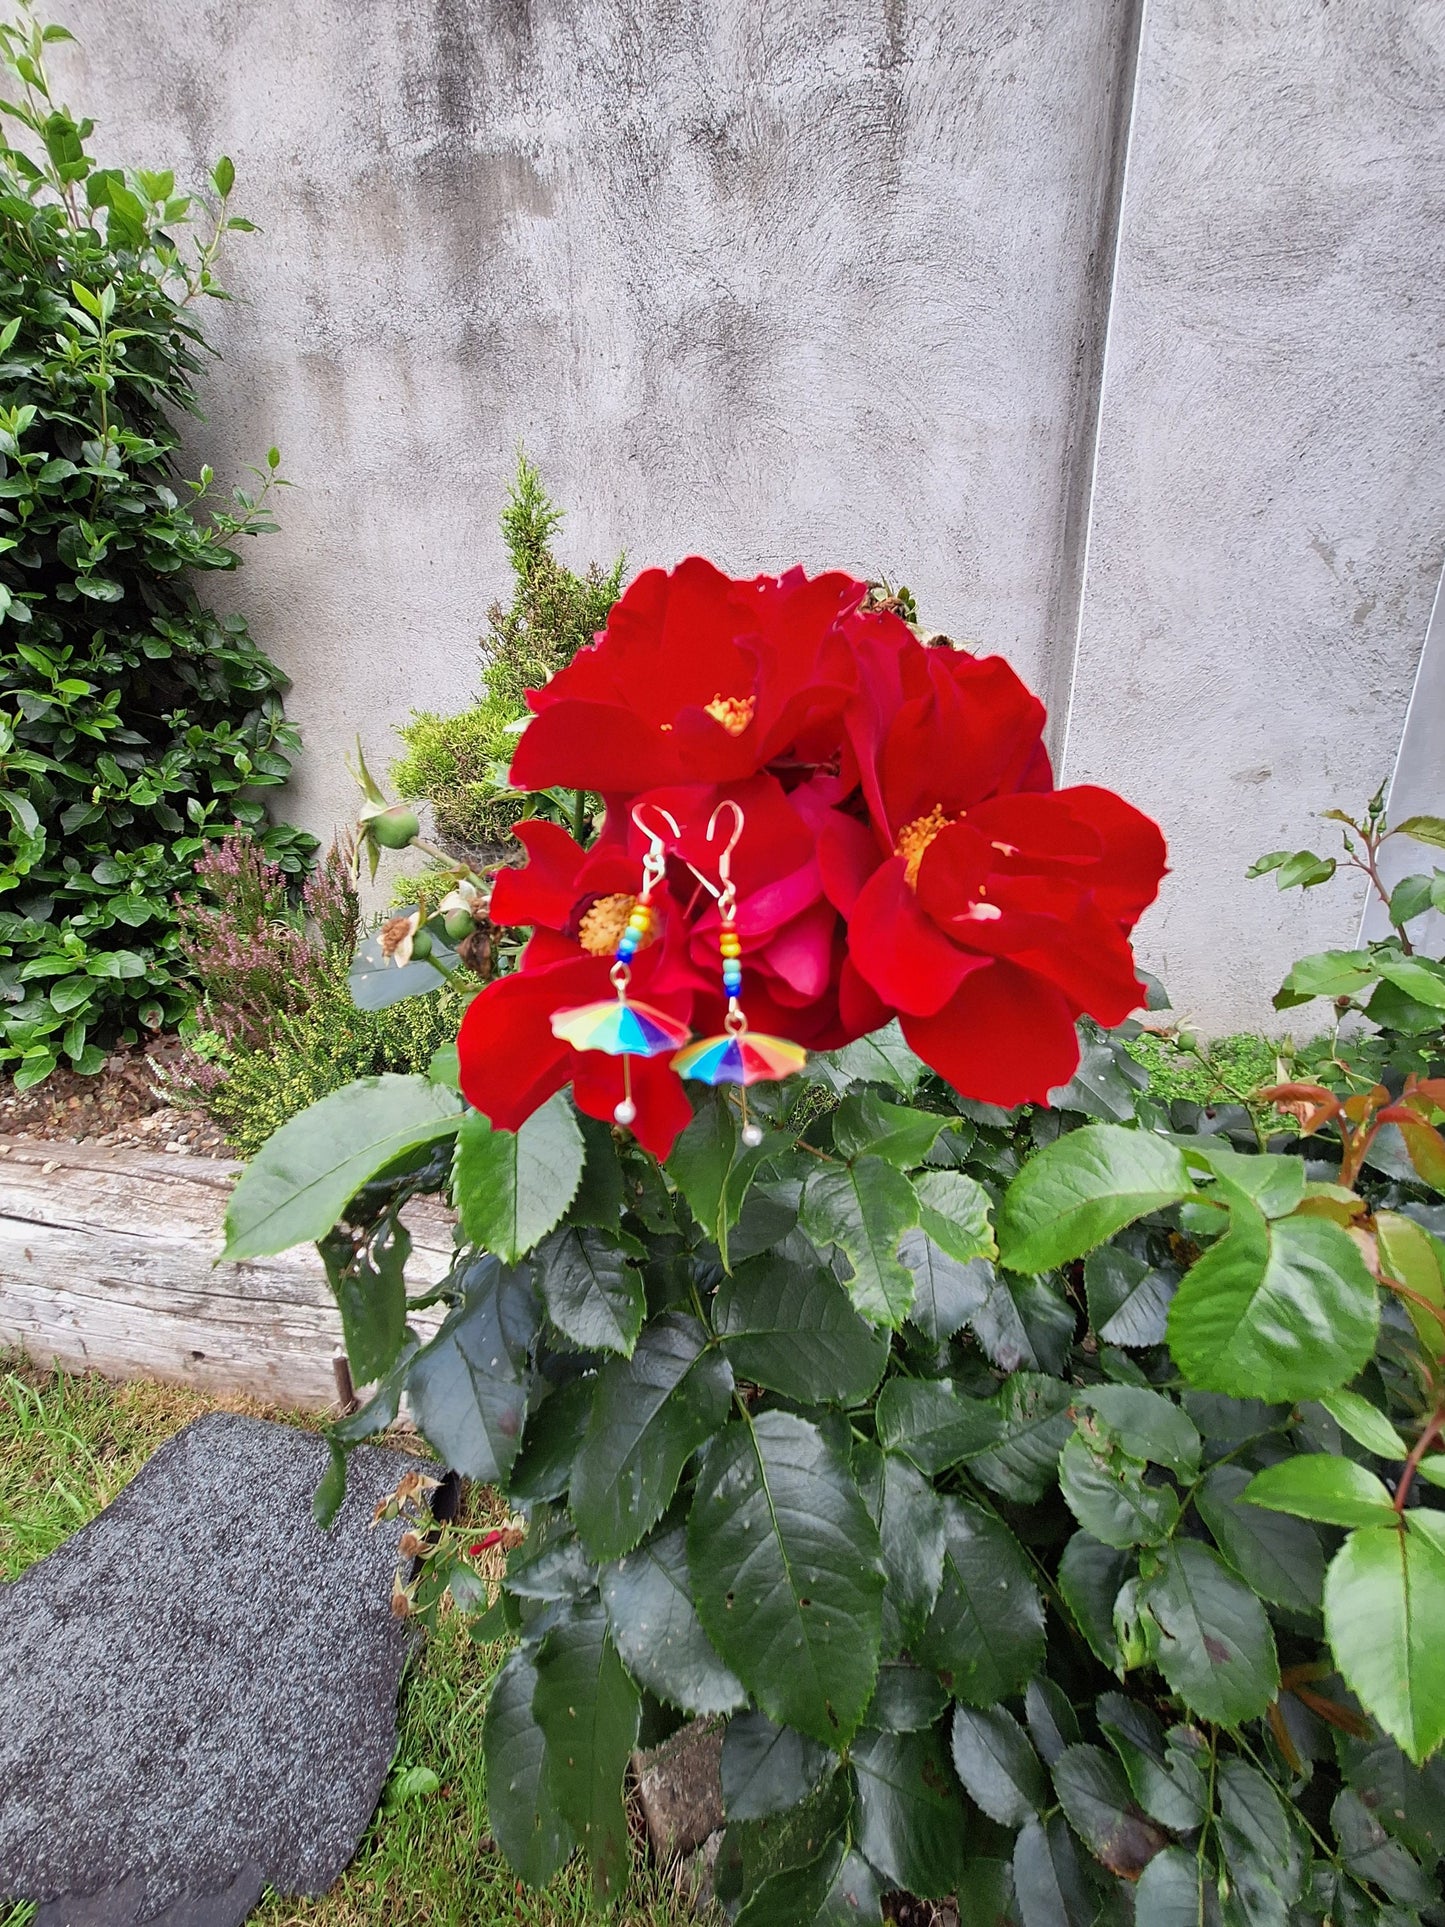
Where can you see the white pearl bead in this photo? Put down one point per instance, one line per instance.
(625, 1112)
(752, 1135)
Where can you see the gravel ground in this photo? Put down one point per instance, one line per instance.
(122, 1104)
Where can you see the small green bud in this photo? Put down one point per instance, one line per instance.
(393, 828)
(421, 945)
(1188, 1041)
(459, 925)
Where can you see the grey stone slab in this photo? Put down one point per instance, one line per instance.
(198, 1691)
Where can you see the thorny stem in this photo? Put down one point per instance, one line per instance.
(1370, 868)
(1422, 1445)
(1415, 1297)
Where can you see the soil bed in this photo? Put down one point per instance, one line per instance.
(122, 1104)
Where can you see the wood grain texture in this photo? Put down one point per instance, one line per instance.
(108, 1264)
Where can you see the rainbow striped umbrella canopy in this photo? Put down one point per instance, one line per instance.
(620, 1029)
(750, 1058)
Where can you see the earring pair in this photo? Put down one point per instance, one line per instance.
(627, 1029)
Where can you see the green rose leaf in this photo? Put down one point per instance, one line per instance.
(996, 1763)
(768, 1769)
(713, 1168)
(954, 1211)
(1106, 1493)
(588, 1709)
(1167, 1784)
(649, 1415)
(1371, 1855)
(1275, 1311)
(789, 1325)
(555, 1431)
(946, 1293)
(371, 1297)
(788, 1573)
(906, 1699)
(304, 1176)
(1147, 1424)
(1260, 1848)
(1276, 1184)
(1384, 1610)
(865, 1208)
(1215, 1646)
(1090, 1577)
(985, 1636)
(1420, 979)
(1280, 1558)
(910, 1819)
(909, 1516)
(880, 1058)
(1177, 1889)
(1424, 829)
(1320, 1486)
(1010, 1440)
(1128, 1297)
(1100, 1807)
(1366, 1424)
(591, 1291)
(867, 1123)
(1081, 1189)
(466, 1386)
(1330, 973)
(655, 1628)
(1050, 1885)
(513, 1187)
(525, 1819)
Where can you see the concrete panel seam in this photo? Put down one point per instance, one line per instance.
(1121, 206)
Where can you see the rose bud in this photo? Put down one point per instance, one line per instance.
(393, 828)
(459, 925)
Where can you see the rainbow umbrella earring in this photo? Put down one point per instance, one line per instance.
(617, 1025)
(738, 1056)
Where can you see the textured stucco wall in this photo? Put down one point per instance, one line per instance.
(815, 278)
(1269, 506)
(771, 280)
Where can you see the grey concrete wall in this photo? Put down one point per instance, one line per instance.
(768, 280)
(774, 279)
(1269, 499)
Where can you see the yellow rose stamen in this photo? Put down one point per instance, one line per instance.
(733, 712)
(915, 837)
(600, 930)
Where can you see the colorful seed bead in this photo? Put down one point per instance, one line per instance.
(730, 944)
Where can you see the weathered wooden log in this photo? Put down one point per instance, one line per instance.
(108, 1264)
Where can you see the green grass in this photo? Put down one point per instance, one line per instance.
(68, 1445)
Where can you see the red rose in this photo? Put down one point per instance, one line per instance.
(798, 980)
(698, 678)
(1000, 911)
(578, 903)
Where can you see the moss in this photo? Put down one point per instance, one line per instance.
(1223, 1071)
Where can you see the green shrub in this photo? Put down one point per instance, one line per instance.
(316, 1050)
(135, 723)
(459, 763)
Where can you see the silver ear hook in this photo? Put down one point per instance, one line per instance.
(728, 895)
(725, 861)
(654, 863)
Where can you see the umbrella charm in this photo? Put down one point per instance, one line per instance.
(738, 1055)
